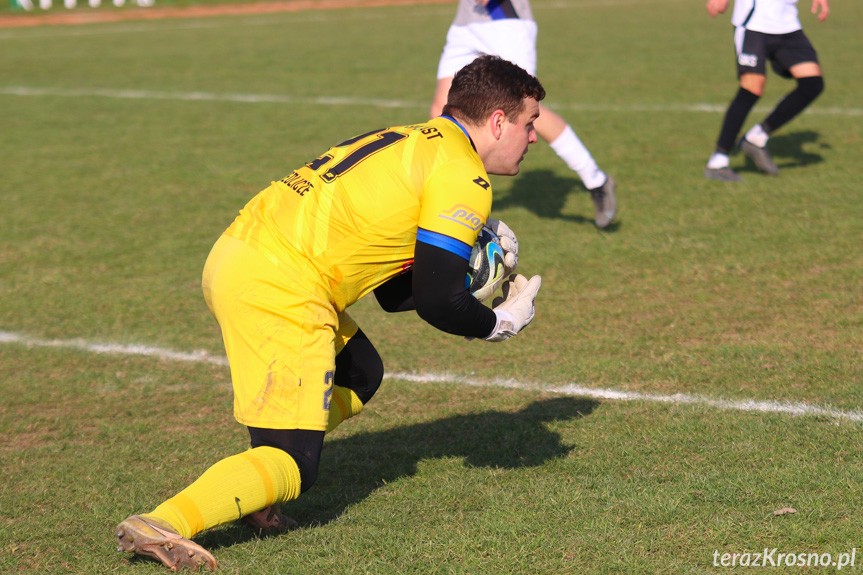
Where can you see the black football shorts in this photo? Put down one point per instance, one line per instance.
(782, 50)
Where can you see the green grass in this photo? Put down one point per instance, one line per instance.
(748, 291)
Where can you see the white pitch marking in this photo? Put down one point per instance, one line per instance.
(210, 97)
(787, 407)
(360, 102)
(168, 24)
(748, 405)
(145, 350)
(204, 21)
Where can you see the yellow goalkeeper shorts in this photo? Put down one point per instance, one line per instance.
(281, 336)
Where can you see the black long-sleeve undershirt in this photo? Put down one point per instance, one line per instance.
(435, 289)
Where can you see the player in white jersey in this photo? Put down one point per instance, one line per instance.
(765, 30)
(506, 28)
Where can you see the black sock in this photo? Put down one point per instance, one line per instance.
(795, 102)
(734, 118)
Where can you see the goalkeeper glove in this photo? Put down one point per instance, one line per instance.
(508, 242)
(515, 309)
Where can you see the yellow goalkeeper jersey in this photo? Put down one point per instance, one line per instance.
(348, 221)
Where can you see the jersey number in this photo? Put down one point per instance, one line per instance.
(328, 392)
(384, 140)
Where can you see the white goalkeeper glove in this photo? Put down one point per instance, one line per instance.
(508, 242)
(515, 309)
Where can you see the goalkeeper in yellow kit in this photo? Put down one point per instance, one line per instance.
(394, 212)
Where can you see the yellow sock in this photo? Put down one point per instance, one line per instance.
(345, 404)
(233, 487)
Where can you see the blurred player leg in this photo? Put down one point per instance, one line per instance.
(567, 145)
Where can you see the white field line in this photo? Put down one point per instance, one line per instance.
(145, 350)
(276, 19)
(359, 102)
(210, 97)
(748, 405)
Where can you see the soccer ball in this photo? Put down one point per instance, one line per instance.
(485, 269)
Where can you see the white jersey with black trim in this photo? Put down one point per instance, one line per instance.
(767, 16)
(469, 12)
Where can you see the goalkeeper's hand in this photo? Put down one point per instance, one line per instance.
(515, 309)
(508, 242)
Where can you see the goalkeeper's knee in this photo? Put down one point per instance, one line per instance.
(359, 367)
(359, 372)
(303, 445)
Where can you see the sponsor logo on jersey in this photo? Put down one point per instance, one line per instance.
(482, 183)
(748, 60)
(464, 216)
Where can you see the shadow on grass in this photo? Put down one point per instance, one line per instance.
(787, 150)
(544, 193)
(354, 467)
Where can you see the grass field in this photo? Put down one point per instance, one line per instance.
(127, 148)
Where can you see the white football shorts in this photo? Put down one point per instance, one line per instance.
(511, 39)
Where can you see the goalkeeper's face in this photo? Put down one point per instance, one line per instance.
(514, 137)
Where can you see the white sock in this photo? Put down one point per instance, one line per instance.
(572, 151)
(717, 161)
(756, 135)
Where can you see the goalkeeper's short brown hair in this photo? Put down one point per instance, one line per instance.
(487, 84)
